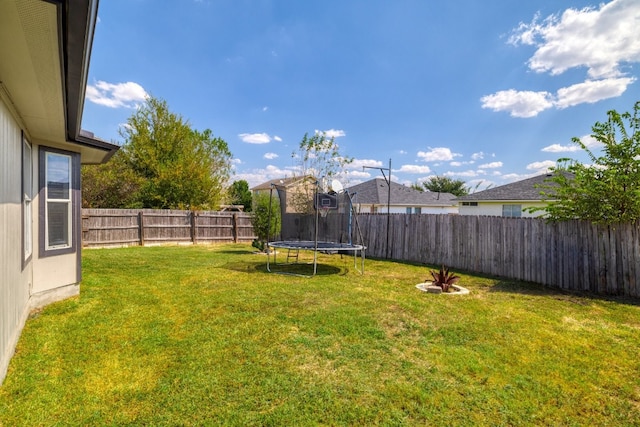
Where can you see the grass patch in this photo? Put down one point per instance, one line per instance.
(204, 335)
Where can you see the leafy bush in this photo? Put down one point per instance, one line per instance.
(262, 227)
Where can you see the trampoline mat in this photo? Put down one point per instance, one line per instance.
(311, 245)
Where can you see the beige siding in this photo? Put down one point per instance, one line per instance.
(495, 208)
(54, 272)
(365, 208)
(14, 281)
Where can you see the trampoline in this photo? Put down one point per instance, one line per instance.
(331, 227)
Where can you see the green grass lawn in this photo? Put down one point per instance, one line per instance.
(203, 335)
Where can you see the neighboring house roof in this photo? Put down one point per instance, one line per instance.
(525, 190)
(284, 182)
(45, 48)
(375, 192)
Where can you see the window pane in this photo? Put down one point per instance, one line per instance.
(58, 223)
(26, 172)
(27, 188)
(58, 176)
(512, 211)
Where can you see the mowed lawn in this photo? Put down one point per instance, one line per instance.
(203, 335)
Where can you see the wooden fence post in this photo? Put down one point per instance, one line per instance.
(141, 227)
(194, 232)
(235, 228)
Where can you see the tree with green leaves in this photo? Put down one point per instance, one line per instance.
(443, 184)
(265, 219)
(607, 190)
(318, 156)
(179, 167)
(239, 194)
(110, 185)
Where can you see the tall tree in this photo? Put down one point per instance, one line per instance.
(110, 185)
(444, 184)
(180, 167)
(318, 156)
(607, 190)
(239, 194)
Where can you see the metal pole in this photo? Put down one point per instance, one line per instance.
(388, 181)
(388, 208)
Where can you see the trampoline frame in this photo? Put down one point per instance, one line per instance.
(315, 245)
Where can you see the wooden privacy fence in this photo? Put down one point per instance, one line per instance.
(573, 255)
(109, 227)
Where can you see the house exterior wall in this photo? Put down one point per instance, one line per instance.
(495, 208)
(37, 280)
(367, 208)
(15, 278)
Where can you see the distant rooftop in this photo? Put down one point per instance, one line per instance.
(375, 192)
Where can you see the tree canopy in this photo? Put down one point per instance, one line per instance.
(239, 194)
(164, 163)
(318, 156)
(607, 190)
(443, 184)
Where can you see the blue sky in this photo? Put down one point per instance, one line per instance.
(485, 91)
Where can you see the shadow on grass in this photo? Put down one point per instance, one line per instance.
(238, 252)
(303, 269)
(577, 297)
(515, 286)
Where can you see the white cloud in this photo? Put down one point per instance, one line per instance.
(456, 164)
(541, 166)
(270, 156)
(277, 138)
(477, 156)
(255, 138)
(587, 140)
(358, 174)
(592, 91)
(557, 148)
(600, 39)
(116, 95)
(414, 169)
(437, 154)
(265, 108)
(491, 165)
(236, 161)
(518, 103)
(332, 133)
(466, 174)
(258, 176)
(603, 40)
(359, 163)
(590, 141)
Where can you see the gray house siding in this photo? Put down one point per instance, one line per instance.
(15, 273)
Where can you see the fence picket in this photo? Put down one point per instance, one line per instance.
(575, 255)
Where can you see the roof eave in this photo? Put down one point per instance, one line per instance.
(78, 20)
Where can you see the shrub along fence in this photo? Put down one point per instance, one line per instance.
(111, 227)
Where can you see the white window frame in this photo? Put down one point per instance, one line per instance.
(27, 199)
(512, 211)
(67, 201)
(68, 169)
